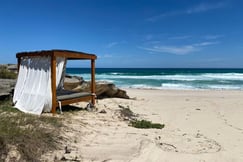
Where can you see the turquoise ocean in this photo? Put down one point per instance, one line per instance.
(166, 78)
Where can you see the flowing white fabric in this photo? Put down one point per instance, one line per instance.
(60, 72)
(60, 75)
(32, 92)
(21, 79)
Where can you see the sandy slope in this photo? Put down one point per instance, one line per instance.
(200, 126)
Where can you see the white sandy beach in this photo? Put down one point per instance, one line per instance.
(200, 126)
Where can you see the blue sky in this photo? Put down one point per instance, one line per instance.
(127, 33)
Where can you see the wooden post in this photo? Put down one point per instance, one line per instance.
(53, 83)
(93, 81)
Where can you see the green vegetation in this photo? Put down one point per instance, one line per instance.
(127, 114)
(6, 74)
(32, 135)
(144, 124)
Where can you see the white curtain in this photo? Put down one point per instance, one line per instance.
(21, 79)
(32, 92)
(60, 75)
(60, 72)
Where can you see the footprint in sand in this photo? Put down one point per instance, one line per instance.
(191, 144)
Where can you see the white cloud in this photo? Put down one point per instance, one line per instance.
(109, 45)
(205, 44)
(181, 37)
(179, 50)
(149, 37)
(106, 56)
(182, 50)
(112, 44)
(203, 7)
(160, 16)
(210, 37)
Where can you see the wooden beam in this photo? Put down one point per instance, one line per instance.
(74, 55)
(75, 100)
(34, 54)
(59, 53)
(53, 83)
(93, 81)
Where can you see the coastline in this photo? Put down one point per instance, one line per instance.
(199, 126)
(167, 78)
(179, 90)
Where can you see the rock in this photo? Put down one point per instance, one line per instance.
(4, 96)
(63, 158)
(67, 150)
(13, 154)
(73, 79)
(103, 111)
(6, 88)
(12, 67)
(103, 88)
(107, 89)
(7, 85)
(72, 82)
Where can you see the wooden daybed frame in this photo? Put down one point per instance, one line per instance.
(65, 98)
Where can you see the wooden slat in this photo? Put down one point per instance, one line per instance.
(70, 101)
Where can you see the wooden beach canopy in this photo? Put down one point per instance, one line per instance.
(39, 86)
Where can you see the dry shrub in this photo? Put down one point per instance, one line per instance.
(32, 135)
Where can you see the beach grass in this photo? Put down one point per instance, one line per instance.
(6, 74)
(144, 124)
(127, 113)
(31, 135)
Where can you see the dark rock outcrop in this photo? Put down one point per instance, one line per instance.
(72, 82)
(6, 88)
(7, 85)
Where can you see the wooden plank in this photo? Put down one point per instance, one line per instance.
(70, 101)
(53, 83)
(74, 55)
